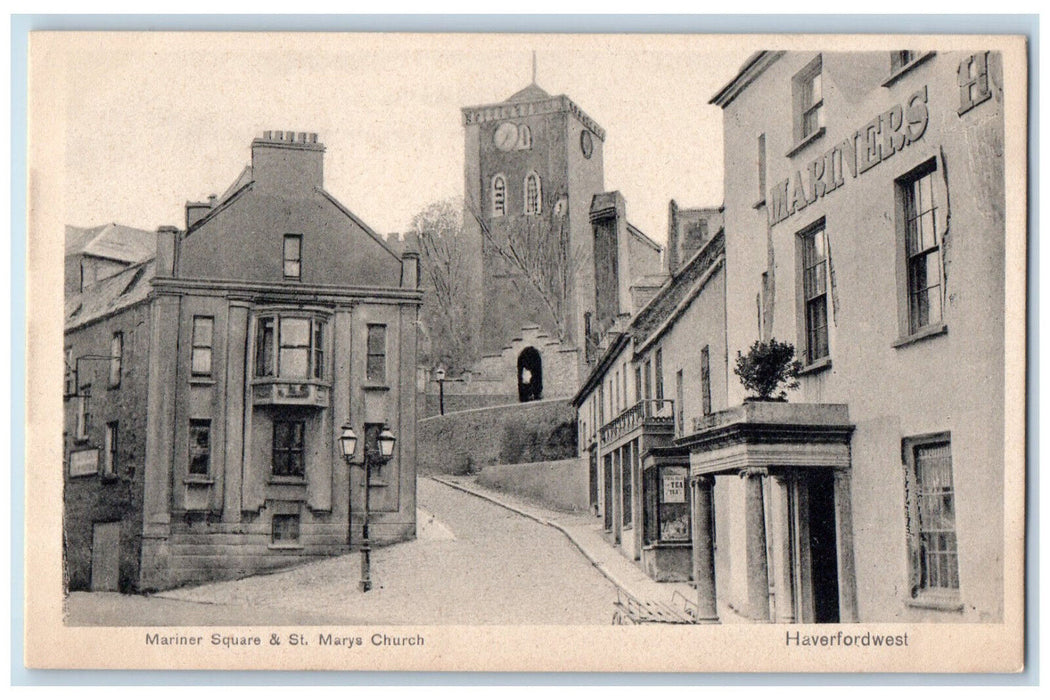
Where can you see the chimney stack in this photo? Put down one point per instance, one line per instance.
(288, 160)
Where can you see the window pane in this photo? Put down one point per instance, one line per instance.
(375, 370)
(294, 362)
(295, 332)
(200, 446)
(817, 328)
(264, 349)
(202, 329)
(201, 361)
(376, 339)
(938, 548)
(285, 528)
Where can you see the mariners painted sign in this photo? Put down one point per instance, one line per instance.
(892, 131)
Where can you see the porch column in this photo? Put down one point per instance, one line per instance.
(704, 549)
(757, 566)
(786, 562)
(844, 547)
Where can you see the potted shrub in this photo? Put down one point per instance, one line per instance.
(767, 369)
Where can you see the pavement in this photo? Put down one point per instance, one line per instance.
(473, 563)
(585, 532)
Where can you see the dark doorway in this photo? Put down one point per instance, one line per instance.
(592, 480)
(530, 375)
(607, 492)
(822, 546)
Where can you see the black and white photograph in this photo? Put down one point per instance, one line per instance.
(526, 352)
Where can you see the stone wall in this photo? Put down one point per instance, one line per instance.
(560, 484)
(464, 442)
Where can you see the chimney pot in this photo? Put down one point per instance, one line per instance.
(313, 138)
(267, 135)
(278, 135)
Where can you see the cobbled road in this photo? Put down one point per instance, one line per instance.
(474, 563)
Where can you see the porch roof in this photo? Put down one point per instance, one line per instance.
(770, 435)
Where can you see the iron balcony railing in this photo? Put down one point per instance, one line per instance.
(654, 412)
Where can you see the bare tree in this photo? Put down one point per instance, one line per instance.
(450, 299)
(537, 252)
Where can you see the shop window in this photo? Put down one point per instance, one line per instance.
(809, 100)
(109, 456)
(666, 515)
(288, 448)
(293, 256)
(200, 355)
(116, 359)
(814, 304)
(499, 196)
(626, 462)
(285, 528)
(931, 512)
(290, 347)
(973, 82)
(533, 194)
(922, 249)
(375, 371)
(200, 446)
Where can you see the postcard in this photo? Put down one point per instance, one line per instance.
(526, 352)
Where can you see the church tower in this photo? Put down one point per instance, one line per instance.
(533, 163)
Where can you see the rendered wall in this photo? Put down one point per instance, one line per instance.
(561, 484)
(948, 382)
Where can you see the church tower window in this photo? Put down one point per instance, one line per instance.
(533, 194)
(499, 196)
(524, 138)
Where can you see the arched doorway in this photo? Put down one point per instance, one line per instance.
(530, 375)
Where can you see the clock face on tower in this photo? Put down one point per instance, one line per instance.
(506, 136)
(586, 144)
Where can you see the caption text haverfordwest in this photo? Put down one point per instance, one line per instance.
(843, 639)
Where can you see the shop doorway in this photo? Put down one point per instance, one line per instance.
(530, 375)
(607, 492)
(105, 557)
(592, 480)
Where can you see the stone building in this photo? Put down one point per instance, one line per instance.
(206, 388)
(534, 189)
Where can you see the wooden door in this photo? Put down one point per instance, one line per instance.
(105, 557)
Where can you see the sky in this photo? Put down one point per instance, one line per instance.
(154, 120)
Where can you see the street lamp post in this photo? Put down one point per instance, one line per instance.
(439, 375)
(378, 456)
